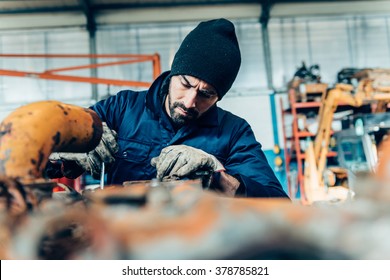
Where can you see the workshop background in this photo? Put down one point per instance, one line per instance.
(275, 38)
(292, 51)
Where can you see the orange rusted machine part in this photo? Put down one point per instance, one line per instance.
(32, 132)
(383, 169)
(368, 91)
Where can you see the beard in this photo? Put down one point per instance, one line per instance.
(179, 119)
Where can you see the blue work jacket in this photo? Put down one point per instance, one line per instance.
(144, 129)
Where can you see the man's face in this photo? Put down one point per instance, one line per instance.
(188, 99)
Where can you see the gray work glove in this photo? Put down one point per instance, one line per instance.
(92, 161)
(179, 161)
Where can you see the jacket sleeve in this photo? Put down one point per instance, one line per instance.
(248, 164)
(110, 110)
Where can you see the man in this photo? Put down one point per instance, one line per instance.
(175, 128)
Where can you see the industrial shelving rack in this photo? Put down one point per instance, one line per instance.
(292, 147)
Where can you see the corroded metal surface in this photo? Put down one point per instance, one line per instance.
(180, 220)
(14, 198)
(32, 132)
(172, 220)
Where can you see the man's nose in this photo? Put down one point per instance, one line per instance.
(190, 98)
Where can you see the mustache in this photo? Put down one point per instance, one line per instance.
(190, 111)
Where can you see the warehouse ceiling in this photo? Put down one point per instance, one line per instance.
(39, 6)
(29, 14)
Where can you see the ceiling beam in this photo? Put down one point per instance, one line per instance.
(91, 27)
(39, 10)
(42, 20)
(88, 6)
(264, 18)
(160, 4)
(179, 14)
(89, 15)
(326, 8)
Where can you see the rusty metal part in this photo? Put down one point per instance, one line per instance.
(14, 199)
(18, 199)
(61, 234)
(134, 196)
(64, 236)
(182, 221)
(5, 236)
(40, 192)
(32, 132)
(383, 169)
(198, 224)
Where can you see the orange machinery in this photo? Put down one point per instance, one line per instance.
(372, 88)
(54, 74)
(170, 220)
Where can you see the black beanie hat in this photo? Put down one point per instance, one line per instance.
(210, 53)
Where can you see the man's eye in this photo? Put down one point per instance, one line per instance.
(205, 94)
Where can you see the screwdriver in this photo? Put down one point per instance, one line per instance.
(102, 177)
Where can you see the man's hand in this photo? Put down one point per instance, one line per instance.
(181, 160)
(74, 164)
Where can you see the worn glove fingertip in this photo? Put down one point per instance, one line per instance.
(159, 176)
(55, 156)
(154, 161)
(115, 148)
(114, 133)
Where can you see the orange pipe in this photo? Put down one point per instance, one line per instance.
(13, 55)
(97, 65)
(91, 80)
(49, 74)
(156, 66)
(32, 132)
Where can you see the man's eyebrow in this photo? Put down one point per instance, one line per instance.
(185, 79)
(208, 91)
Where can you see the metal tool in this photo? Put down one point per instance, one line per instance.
(102, 177)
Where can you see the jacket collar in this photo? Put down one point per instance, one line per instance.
(154, 100)
(154, 103)
(210, 118)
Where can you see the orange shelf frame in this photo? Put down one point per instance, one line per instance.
(52, 74)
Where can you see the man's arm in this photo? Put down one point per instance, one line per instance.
(246, 172)
(247, 163)
(225, 183)
(72, 165)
